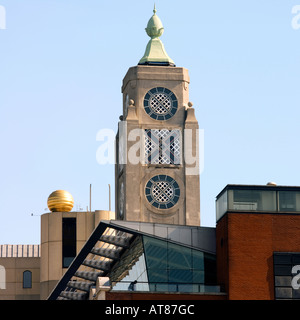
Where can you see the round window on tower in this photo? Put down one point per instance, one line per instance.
(162, 191)
(160, 103)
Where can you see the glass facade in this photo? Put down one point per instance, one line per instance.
(155, 265)
(257, 199)
(178, 260)
(289, 201)
(252, 200)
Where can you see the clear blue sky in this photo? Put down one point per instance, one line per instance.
(61, 68)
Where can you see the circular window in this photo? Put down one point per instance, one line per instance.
(162, 191)
(160, 103)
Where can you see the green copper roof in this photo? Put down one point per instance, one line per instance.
(155, 53)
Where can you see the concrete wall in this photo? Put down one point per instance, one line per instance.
(12, 273)
(51, 242)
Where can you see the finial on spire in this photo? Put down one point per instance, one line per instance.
(154, 10)
(155, 53)
(154, 27)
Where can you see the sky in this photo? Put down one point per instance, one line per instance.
(62, 64)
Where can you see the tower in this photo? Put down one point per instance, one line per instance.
(157, 160)
(63, 233)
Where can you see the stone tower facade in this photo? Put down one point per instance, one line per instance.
(157, 170)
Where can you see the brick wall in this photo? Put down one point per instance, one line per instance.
(245, 246)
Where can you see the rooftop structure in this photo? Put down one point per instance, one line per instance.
(254, 198)
(143, 257)
(20, 250)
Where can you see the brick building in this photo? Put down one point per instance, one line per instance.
(258, 241)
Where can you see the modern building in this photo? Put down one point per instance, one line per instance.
(30, 272)
(153, 247)
(258, 241)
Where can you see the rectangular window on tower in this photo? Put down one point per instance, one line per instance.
(68, 241)
(162, 146)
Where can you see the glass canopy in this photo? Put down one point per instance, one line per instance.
(137, 261)
(152, 264)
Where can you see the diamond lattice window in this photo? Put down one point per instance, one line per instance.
(162, 146)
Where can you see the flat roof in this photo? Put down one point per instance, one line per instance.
(258, 187)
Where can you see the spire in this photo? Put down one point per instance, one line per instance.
(155, 53)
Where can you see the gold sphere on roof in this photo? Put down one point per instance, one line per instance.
(60, 201)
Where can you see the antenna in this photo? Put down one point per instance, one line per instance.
(109, 199)
(90, 197)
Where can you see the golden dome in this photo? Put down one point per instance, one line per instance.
(60, 201)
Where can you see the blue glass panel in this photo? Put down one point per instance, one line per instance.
(180, 276)
(179, 257)
(175, 264)
(149, 198)
(198, 260)
(155, 204)
(177, 192)
(149, 184)
(198, 276)
(162, 177)
(155, 253)
(169, 179)
(175, 185)
(147, 109)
